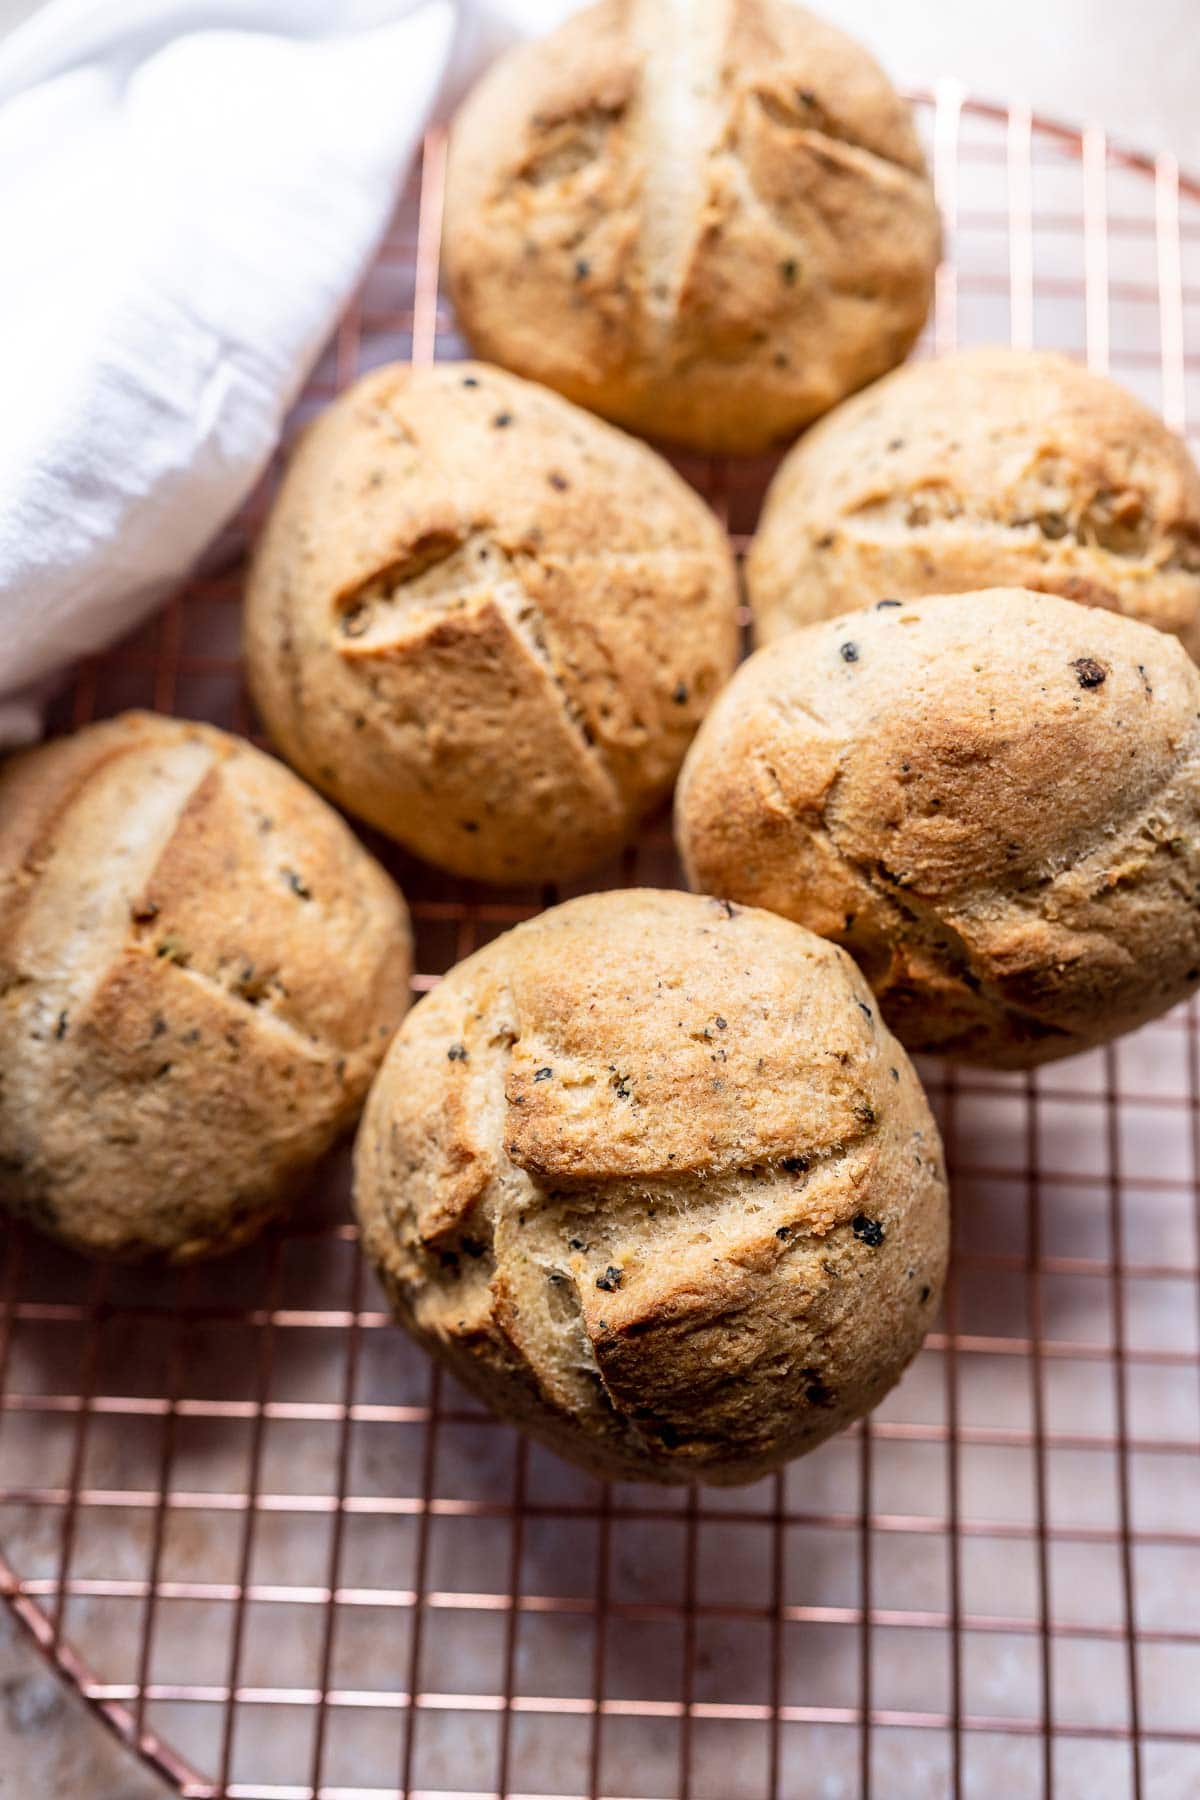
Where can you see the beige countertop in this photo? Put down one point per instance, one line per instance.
(51, 1747)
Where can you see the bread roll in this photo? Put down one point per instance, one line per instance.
(707, 220)
(651, 1176)
(992, 800)
(485, 622)
(200, 969)
(991, 468)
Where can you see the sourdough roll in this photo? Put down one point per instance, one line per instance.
(200, 969)
(485, 622)
(652, 1177)
(707, 220)
(990, 468)
(992, 800)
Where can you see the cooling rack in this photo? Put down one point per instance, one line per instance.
(284, 1557)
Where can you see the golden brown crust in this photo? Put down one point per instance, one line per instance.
(485, 622)
(987, 469)
(707, 220)
(200, 969)
(654, 1179)
(992, 800)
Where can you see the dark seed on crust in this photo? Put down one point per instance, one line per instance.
(815, 1391)
(868, 1231)
(1088, 672)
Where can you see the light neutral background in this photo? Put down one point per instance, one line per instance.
(1130, 66)
(1133, 67)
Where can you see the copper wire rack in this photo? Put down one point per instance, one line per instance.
(285, 1558)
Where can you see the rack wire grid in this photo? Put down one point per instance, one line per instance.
(285, 1557)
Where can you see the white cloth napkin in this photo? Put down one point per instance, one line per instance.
(189, 191)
